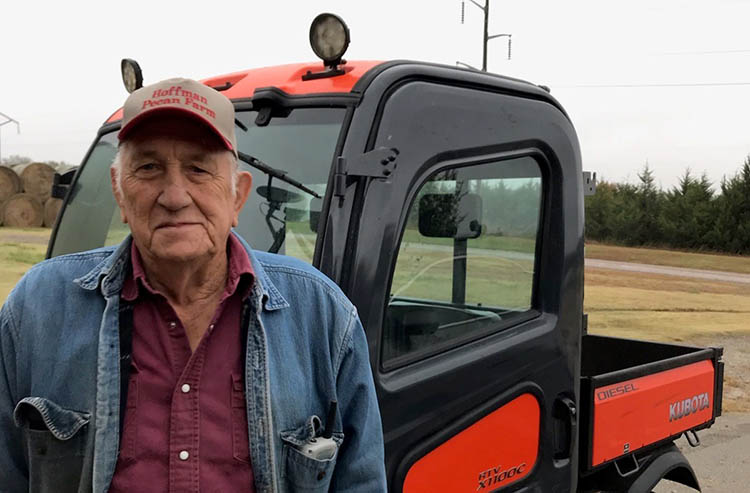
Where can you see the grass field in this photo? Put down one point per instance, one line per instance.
(19, 250)
(672, 258)
(663, 307)
(626, 304)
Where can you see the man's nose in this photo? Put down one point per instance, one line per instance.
(174, 194)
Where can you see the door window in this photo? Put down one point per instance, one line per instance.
(466, 261)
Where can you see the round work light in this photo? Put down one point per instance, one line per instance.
(131, 74)
(329, 38)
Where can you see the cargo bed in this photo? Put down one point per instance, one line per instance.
(637, 394)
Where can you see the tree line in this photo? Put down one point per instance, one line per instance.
(14, 159)
(691, 215)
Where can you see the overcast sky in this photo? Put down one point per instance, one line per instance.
(665, 82)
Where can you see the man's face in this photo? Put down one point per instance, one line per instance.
(176, 190)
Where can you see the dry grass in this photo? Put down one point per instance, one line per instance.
(19, 250)
(707, 261)
(663, 307)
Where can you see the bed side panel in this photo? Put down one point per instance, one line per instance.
(634, 413)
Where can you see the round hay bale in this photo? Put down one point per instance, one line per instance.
(23, 211)
(51, 210)
(37, 179)
(10, 183)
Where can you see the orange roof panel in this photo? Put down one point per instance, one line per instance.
(287, 78)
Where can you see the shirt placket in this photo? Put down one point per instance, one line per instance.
(184, 422)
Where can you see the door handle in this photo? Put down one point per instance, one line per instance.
(565, 423)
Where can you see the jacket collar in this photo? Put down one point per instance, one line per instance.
(110, 275)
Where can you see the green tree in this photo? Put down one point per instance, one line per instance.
(600, 210)
(15, 159)
(731, 232)
(646, 216)
(688, 213)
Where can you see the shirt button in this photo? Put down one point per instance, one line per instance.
(184, 455)
(211, 326)
(185, 388)
(172, 325)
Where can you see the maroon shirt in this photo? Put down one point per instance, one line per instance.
(186, 422)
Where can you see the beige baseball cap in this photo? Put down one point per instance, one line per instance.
(185, 97)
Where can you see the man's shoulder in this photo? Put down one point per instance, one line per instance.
(51, 289)
(60, 270)
(80, 262)
(283, 270)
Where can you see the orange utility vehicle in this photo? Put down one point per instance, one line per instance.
(448, 205)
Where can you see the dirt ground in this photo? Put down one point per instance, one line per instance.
(737, 369)
(721, 462)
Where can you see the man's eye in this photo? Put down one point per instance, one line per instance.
(146, 167)
(198, 170)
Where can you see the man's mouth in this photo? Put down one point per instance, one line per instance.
(175, 225)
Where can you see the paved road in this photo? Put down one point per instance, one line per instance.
(722, 461)
(711, 275)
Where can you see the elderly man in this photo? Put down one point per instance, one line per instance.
(181, 360)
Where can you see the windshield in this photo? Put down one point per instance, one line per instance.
(277, 216)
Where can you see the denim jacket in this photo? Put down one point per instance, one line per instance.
(60, 378)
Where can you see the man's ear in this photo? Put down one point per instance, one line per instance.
(114, 176)
(241, 192)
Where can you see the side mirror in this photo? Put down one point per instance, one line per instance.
(61, 183)
(450, 216)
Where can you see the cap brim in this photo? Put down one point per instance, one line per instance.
(159, 112)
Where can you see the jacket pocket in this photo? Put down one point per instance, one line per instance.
(303, 473)
(55, 443)
(240, 440)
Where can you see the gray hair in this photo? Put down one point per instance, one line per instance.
(125, 148)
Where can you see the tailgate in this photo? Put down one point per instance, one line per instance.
(667, 391)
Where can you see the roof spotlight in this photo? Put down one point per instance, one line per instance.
(329, 38)
(132, 76)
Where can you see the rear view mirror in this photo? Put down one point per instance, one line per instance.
(61, 183)
(450, 216)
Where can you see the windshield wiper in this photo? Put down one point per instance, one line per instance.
(276, 173)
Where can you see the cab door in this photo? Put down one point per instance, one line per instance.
(464, 261)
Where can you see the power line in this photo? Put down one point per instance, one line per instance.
(676, 84)
(704, 52)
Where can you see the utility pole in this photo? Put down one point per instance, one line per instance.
(486, 34)
(486, 10)
(7, 120)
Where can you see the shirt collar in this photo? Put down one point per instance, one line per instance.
(239, 269)
(109, 275)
